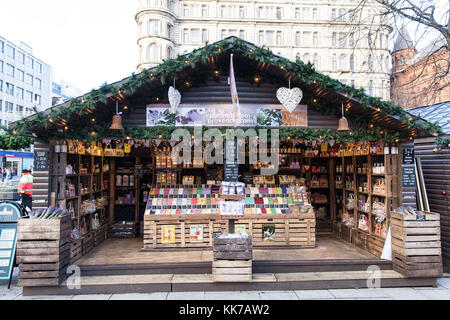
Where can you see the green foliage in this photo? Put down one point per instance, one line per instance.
(170, 69)
(12, 142)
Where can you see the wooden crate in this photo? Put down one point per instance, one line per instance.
(43, 251)
(375, 245)
(87, 243)
(232, 270)
(100, 235)
(359, 238)
(75, 250)
(346, 233)
(153, 232)
(416, 244)
(233, 249)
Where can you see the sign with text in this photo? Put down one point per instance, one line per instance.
(408, 156)
(8, 240)
(41, 161)
(408, 177)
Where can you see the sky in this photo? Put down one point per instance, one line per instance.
(87, 42)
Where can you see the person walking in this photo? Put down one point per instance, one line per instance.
(25, 188)
(8, 177)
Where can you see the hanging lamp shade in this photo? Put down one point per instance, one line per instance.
(343, 123)
(117, 120)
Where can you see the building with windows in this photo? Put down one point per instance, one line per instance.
(321, 32)
(63, 91)
(25, 82)
(419, 78)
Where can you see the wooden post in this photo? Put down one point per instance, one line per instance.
(183, 234)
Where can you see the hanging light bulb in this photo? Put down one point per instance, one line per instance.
(343, 123)
(117, 119)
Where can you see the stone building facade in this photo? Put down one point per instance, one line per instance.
(316, 31)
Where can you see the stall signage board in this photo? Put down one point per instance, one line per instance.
(408, 177)
(231, 168)
(9, 214)
(408, 156)
(41, 161)
(138, 170)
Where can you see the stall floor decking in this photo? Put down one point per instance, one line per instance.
(128, 251)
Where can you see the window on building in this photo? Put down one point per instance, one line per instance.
(334, 62)
(260, 12)
(315, 39)
(28, 110)
(242, 34)
(19, 108)
(278, 13)
(169, 52)
(39, 67)
(261, 37)
(204, 10)
(342, 16)
(371, 87)
(222, 11)
(153, 27)
(333, 14)
(279, 38)
(316, 60)
(314, 14)
(297, 13)
(30, 63)
(342, 62)
(387, 63)
(204, 35)
(38, 83)
(342, 39)
(307, 38)
(401, 60)
(370, 62)
(19, 93)
(241, 12)
(10, 51)
(20, 75)
(9, 70)
(334, 39)
(223, 34)
(9, 107)
(21, 57)
(2, 46)
(269, 37)
(185, 10)
(351, 40)
(350, 15)
(195, 36)
(352, 62)
(306, 14)
(152, 52)
(306, 58)
(1, 66)
(9, 88)
(29, 79)
(29, 96)
(297, 38)
(1, 85)
(185, 35)
(37, 99)
(169, 30)
(352, 82)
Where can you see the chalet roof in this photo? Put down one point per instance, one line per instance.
(439, 112)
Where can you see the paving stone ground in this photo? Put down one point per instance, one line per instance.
(442, 292)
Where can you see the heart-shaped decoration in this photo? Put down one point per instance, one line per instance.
(158, 142)
(174, 99)
(316, 152)
(331, 142)
(306, 167)
(289, 98)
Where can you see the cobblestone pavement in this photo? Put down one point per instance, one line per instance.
(442, 292)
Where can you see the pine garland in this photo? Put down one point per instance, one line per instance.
(170, 69)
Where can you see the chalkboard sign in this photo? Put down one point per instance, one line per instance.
(231, 168)
(408, 156)
(138, 170)
(248, 178)
(408, 177)
(41, 161)
(8, 240)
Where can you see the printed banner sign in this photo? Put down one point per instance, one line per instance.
(265, 115)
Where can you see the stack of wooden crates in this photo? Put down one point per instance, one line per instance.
(43, 251)
(232, 259)
(416, 244)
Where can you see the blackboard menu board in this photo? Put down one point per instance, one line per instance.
(138, 170)
(408, 156)
(41, 161)
(231, 168)
(408, 177)
(248, 178)
(8, 240)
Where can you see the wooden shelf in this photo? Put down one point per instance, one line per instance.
(379, 195)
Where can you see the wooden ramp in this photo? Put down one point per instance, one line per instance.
(203, 282)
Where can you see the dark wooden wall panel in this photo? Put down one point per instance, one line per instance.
(436, 171)
(219, 93)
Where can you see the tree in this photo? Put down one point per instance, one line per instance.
(429, 22)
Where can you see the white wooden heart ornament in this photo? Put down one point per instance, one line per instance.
(174, 99)
(289, 98)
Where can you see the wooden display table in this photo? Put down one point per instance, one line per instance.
(290, 229)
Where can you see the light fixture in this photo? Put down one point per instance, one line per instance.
(93, 120)
(66, 128)
(117, 119)
(315, 100)
(371, 125)
(125, 108)
(187, 84)
(216, 73)
(257, 79)
(343, 123)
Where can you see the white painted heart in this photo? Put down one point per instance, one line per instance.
(174, 99)
(158, 142)
(289, 98)
(331, 142)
